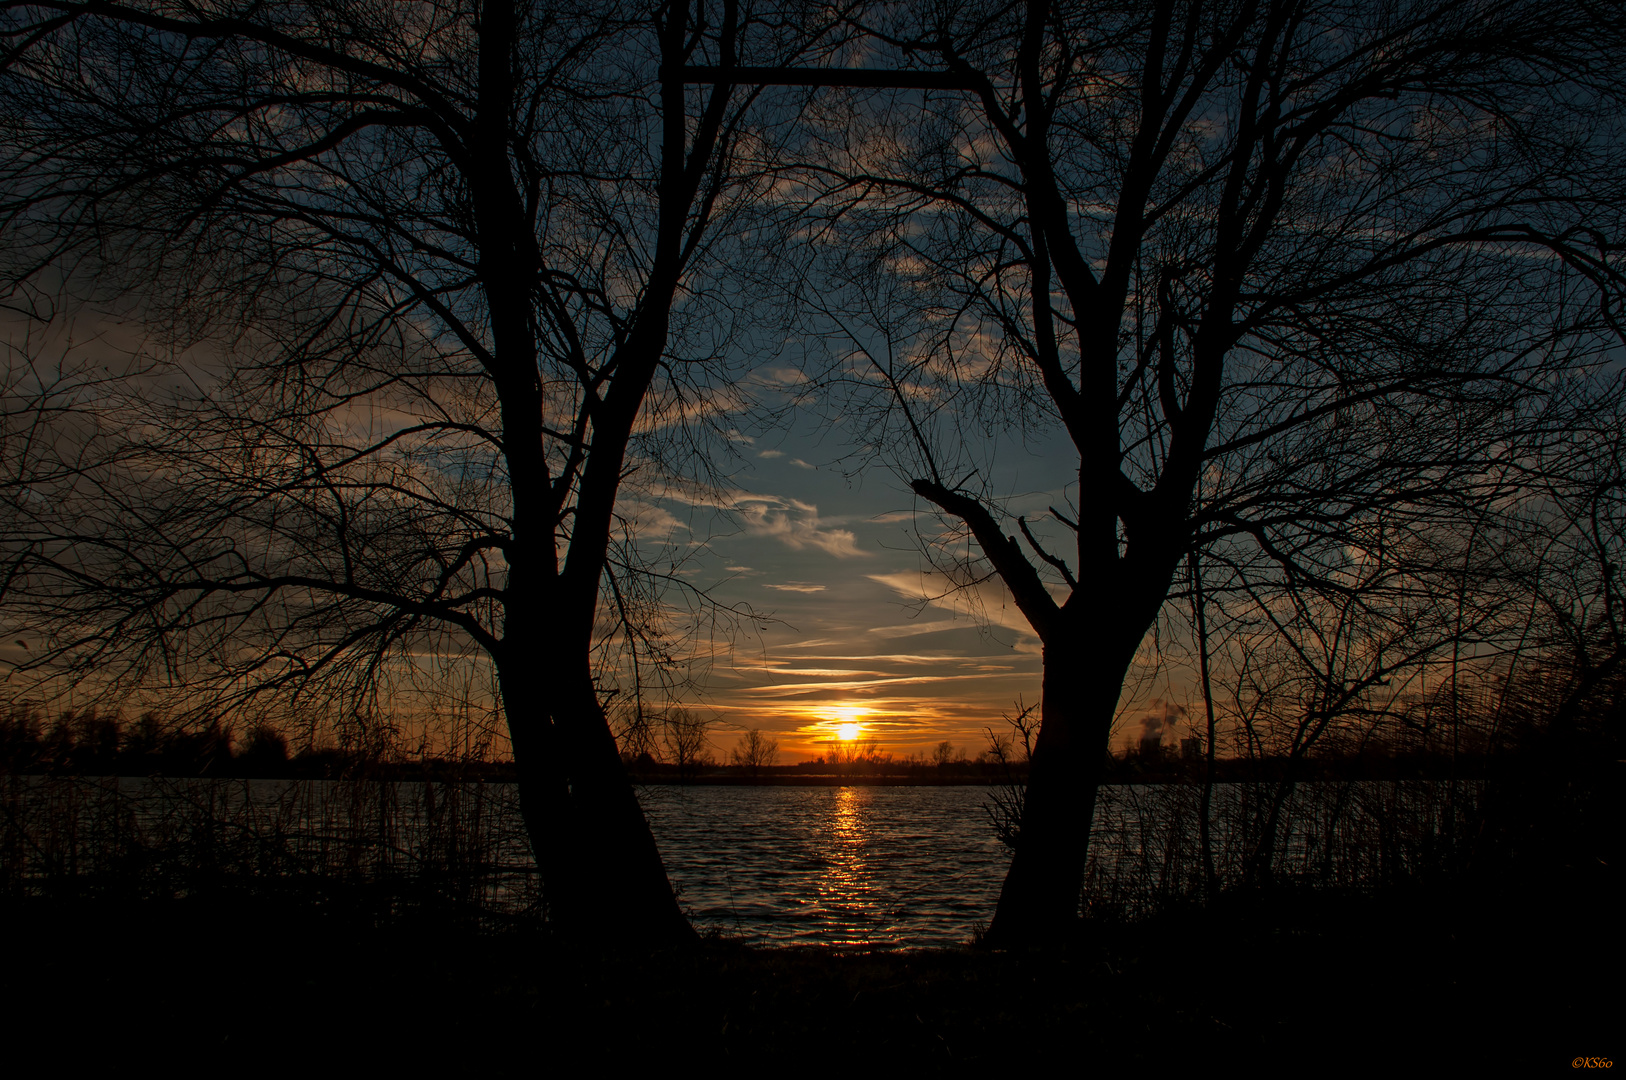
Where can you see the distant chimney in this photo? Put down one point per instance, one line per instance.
(1151, 746)
(1191, 749)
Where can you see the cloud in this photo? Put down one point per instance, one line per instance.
(984, 599)
(794, 523)
(649, 521)
(771, 454)
(800, 464)
(797, 586)
(910, 658)
(779, 689)
(816, 643)
(779, 376)
(813, 672)
(666, 411)
(926, 627)
(1161, 716)
(739, 569)
(799, 533)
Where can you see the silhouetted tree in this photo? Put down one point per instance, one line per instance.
(754, 752)
(1283, 278)
(685, 739)
(44, 419)
(1573, 533)
(1557, 703)
(265, 753)
(465, 256)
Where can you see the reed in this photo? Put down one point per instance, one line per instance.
(384, 848)
(391, 848)
(1358, 836)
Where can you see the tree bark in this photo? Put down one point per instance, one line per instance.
(1039, 901)
(620, 883)
(602, 873)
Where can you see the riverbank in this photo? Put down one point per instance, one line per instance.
(1292, 983)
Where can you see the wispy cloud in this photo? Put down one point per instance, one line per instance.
(935, 659)
(794, 523)
(779, 376)
(796, 586)
(813, 672)
(800, 464)
(860, 684)
(771, 454)
(985, 600)
(648, 521)
(930, 626)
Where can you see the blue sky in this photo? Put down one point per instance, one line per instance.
(859, 625)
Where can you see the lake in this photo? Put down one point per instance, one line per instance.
(875, 866)
(915, 866)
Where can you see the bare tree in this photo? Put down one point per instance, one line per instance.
(1004, 805)
(1315, 668)
(1556, 727)
(1278, 276)
(48, 422)
(1573, 539)
(754, 752)
(687, 741)
(467, 259)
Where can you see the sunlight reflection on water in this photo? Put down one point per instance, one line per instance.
(901, 866)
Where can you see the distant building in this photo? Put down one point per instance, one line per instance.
(1191, 749)
(1151, 746)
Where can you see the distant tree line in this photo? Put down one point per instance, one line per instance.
(1487, 721)
(97, 742)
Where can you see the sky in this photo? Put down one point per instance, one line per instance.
(858, 627)
(854, 627)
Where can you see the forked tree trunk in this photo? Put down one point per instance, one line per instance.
(602, 875)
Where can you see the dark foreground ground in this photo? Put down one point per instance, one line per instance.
(1415, 982)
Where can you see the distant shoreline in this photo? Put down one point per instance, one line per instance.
(818, 780)
(501, 774)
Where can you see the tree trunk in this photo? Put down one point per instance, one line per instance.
(619, 869)
(602, 874)
(1040, 897)
(1261, 865)
(542, 780)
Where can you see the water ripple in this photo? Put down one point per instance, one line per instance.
(896, 866)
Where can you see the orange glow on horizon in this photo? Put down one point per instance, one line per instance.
(847, 717)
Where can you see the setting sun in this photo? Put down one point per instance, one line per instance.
(847, 719)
